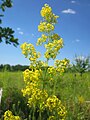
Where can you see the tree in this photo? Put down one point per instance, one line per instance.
(1, 67)
(7, 67)
(6, 33)
(82, 64)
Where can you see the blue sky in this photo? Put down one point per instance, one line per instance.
(73, 26)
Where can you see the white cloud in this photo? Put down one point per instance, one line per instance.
(73, 1)
(18, 28)
(33, 35)
(77, 40)
(69, 11)
(20, 32)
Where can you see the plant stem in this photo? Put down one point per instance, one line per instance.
(33, 117)
(40, 116)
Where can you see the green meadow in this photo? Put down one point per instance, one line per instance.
(72, 89)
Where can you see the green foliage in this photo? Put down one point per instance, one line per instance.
(82, 64)
(6, 33)
(13, 68)
(6, 3)
(13, 100)
(73, 91)
(12, 97)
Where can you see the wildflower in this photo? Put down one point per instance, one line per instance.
(51, 118)
(61, 65)
(54, 104)
(48, 15)
(36, 83)
(29, 51)
(9, 116)
(46, 10)
(45, 27)
(81, 99)
(41, 40)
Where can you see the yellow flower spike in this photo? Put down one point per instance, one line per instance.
(46, 10)
(45, 27)
(35, 90)
(9, 116)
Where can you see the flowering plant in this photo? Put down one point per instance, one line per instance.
(38, 91)
(9, 116)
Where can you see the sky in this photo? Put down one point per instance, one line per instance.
(24, 17)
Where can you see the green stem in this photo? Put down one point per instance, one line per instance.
(44, 76)
(40, 116)
(33, 117)
(54, 88)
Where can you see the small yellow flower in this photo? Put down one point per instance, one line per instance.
(81, 99)
(51, 118)
(9, 116)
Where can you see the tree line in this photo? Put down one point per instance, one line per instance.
(80, 65)
(18, 67)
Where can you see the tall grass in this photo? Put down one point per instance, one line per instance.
(72, 89)
(12, 98)
(11, 79)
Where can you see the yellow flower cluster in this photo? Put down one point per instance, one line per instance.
(45, 27)
(54, 104)
(31, 76)
(46, 12)
(52, 48)
(55, 37)
(41, 64)
(9, 116)
(52, 118)
(51, 72)
(58, 69)
(38, 98)
(29, 51)
(81, 99)
(35, 95)
(41, 40)
(61, 65)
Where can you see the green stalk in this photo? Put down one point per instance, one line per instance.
(33, 117)
(40, 116)
(54, 88)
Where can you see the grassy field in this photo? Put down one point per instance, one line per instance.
(11, 79)
(72, 89)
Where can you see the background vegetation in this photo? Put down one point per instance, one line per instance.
(72, 89)
(7, 67)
